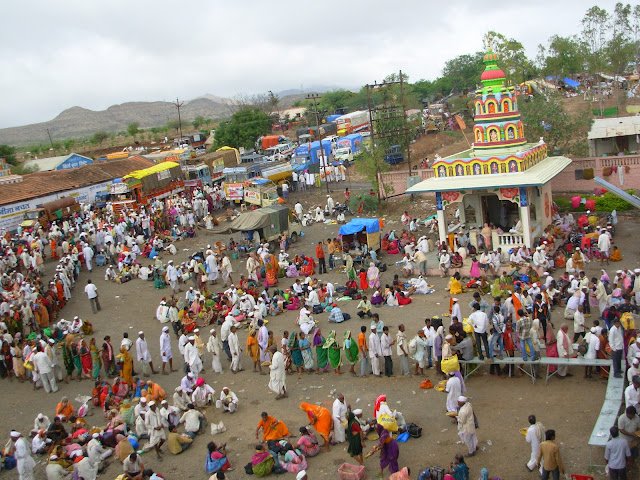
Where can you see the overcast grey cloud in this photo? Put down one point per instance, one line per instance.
(55, 55)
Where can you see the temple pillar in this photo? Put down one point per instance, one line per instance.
(442, 223)
(525, 217)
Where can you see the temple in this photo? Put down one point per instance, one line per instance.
(502, 179)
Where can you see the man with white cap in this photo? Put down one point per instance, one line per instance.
(634, 369)
(454, 390)
(375, 350)
(54, 469)
(604, 245)
(234, 349)
(214, 347)
(277, 374)
(228, 401)
(172, 276)
(25, 463)
(153, 422)
(180, 398)
(455, 309)
(165, 351)
(192, 357)
(467, 426)
(43, 366)
(593, 347)
(96, 451)
(633, 351)
(143, 355)
(41, 422)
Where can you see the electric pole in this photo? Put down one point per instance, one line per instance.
(50, 141)
(178, 104)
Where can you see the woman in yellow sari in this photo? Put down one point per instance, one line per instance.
(455, 286)
(253, 350)
(578, 263)
(127, 366)
(320, 419)
(616, 255)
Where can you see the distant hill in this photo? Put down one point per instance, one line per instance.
(76, 122)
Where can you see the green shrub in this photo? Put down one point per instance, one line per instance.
(369, 202)
(609, 202)
(564, 204)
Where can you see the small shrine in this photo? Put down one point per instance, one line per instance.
(5, 173)
(502, 179)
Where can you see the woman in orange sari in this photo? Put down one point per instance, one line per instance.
(271, 268)
(272, 429)
(309, 267)
(127, 366)
(253, 350)
(320, 419)
(604, 353)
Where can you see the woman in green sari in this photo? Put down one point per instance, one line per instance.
(355, 437)
(307, 354)
(334, 352)
(67, 359)
(96, 358)
(77, 361)
(321, 353)
(351, 352)
(351, 272)
(296, 353)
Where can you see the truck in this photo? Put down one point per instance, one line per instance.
(160, 181)
(53, 211)
(261, 191)
(194, 140)
(268, 221)
(316, 133)
(348, 147)
(308, 156)
(235, 177)
(196, 176)
(353, 122)
(394, 155)
(282, 151)
(277, 172)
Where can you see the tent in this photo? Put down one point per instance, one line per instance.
(356, 225)
(272, 220)
(567, 81)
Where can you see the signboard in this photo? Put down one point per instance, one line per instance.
(252, 196)
(233, 191)
(11, 215)
(164, 174)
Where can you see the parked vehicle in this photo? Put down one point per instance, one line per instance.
(261, 192)
(197, 175)
(353, 122)
(277, 172)
(348, 147)
(194, 140)
(308, 156)
(282, 151)
(394, 155)
(316, 133)
(235, 177)
(160, 181)
(53, 211)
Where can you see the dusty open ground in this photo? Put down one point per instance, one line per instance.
(502, 405)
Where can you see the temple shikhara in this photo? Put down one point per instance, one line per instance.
(502, 179)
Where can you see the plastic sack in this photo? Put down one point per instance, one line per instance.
(575, 202)
(450, 364)
(217, 428)
(83, 410)
(389, 423)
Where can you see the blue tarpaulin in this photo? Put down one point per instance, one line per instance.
(356, 225)
(566, 80)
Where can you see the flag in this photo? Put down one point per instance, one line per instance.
(460, 122)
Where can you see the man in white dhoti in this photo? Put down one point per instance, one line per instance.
(339, 414)
(234, 349)
(535, 436)
(143, 355)
(467, 426)
(165, 351)
(212, 267)
(22, 453)
(227, 270)
(263, 341)
(153, 422)
(277, 374)
(228, 401)
(214, 347)
(454, 390)
(375, 350)
(305, 321)
(192, 357)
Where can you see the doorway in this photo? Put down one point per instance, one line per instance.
(502, 213)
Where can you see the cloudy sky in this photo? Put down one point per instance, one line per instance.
(55, 55)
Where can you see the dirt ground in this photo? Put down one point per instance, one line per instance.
(502, 405)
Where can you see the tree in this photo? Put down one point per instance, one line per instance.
(512, 57)
(549, 119)
(565, 56)
(198, 122)
(463, 72)
(595, 24)
(620, 50)
(99, 137)
(242, 130)
(69, 144)
(9, 154)
(133, 129)
(173, 125)
(371, 165)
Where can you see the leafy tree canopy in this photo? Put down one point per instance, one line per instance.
(242, 130)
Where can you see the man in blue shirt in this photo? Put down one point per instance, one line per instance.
(616, 453)
(336, 315)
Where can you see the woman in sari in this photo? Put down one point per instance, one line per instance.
(108, 359)
(95, 358)
(320, 419)
(67, 359)
(355, 438)
(84, 355)
(296, 353)
(271, 267)
(551, 341)
(253, 350)
(307, 354)
(292, 461)
(217, 458)
(351, 272)
(262, 462)
(389, 451)
(373, 276)
(272, 429)
(351, 352)
(321, 353)
(604, 353)
(127, 366)
(127, 413)
(334, 352)
(455, 285)
(309, 267)
(578, 263)
(308, 444)
(486, 235)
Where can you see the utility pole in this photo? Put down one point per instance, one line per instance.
(50, 141)
(315, 97)
(178, 104)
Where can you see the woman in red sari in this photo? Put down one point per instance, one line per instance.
(552, 348)
(309, 267)
(85, 358)
(271, 268)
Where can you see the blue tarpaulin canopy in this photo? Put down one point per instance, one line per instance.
(566, 80)
(356, 225)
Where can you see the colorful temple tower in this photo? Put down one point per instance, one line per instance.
(502, 179)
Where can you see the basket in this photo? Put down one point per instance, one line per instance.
(347, 471)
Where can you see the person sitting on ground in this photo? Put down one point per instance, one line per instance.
(177, 442)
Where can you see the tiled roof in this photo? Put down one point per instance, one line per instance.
(39, 184)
